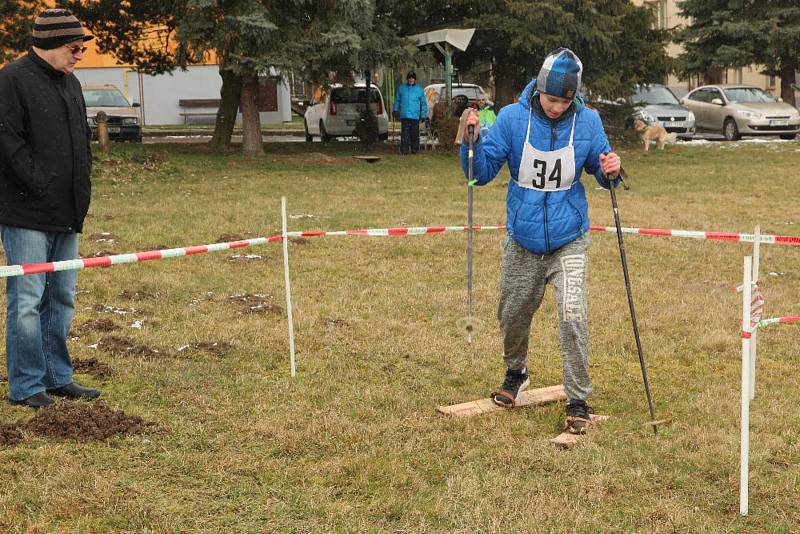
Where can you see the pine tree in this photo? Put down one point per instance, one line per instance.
(16, 24)
(614, 39)
(716, 38)
(780, 20)
(726, 34)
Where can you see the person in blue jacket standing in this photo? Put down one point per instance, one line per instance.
(411, 105)
(547, 138)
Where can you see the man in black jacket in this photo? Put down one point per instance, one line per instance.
(45, 167)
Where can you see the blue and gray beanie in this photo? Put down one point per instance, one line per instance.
(560, 74)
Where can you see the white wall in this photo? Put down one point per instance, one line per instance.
(159, 95)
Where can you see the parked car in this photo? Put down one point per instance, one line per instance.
(736, 110)
(123, 116)
(655, 103)
(465, 94)
(337, 112)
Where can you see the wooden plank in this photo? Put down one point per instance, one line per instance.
(567, 440)
(531, 397)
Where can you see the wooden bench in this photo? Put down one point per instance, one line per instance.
(198, 103)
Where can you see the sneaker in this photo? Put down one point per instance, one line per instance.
(578, 417)
(515, 382)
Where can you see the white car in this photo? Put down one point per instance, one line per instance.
(468, 92)
(337, 113)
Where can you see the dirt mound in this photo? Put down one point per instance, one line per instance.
(84, 421)
(256, 303)
(98, 325)
(10, 434)
(92, 367)
(137, 294)
(123, 346)
(217, 348)
(224, 238)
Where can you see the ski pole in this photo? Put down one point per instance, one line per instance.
(612, 188)
(470, 133)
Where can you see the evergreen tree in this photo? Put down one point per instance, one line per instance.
(614, 39)
(780, 21)
(726, 34)
(716, 38)
(248, 37)
(16, 24)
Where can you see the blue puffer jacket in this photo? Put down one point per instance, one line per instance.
(541, 221)
(410, 102)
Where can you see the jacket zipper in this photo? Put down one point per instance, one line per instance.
(547, 194)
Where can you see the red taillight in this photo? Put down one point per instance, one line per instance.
(333, 107)
(380, 108)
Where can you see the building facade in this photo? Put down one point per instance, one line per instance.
(668, 18)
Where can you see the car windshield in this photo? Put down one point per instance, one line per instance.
(354, 95)
(104, 98)
(653, 94)
(747, 95)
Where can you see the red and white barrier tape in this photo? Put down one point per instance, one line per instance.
(774, 320)
(716, 236)
(137, 257)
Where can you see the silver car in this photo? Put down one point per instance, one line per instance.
(123, 117)
(737, 110)
(655, 103)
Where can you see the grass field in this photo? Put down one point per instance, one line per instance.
(354, 443)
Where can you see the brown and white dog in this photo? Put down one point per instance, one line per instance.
(653, 132)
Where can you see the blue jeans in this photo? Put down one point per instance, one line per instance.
(409, 136)
(39, 314)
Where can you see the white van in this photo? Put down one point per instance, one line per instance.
(337, 113)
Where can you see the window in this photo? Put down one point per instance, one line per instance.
(747, 95)
(659, 8)
(108, 98)
(354, 95)
(701, 95)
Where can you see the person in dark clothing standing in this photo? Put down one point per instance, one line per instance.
(45, 187)
(411, 105)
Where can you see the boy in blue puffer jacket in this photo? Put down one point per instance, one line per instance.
(412, 107)
(547, 138)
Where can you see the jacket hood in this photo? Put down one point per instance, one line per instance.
(530, 91)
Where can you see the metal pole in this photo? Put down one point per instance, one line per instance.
(470, 133)
(612, 188)
(288, 286)
(744, 447)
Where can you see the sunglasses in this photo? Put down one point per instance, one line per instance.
(77, 48)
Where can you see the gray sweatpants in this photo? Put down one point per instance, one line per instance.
(522, 284)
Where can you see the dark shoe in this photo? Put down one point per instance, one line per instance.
(515, 382)
(74, 391)
(578, 417)
(37, 400)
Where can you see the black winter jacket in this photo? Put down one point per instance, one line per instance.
(45, 159)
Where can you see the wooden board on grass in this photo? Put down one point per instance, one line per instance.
(567, 440)
(531, 397)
